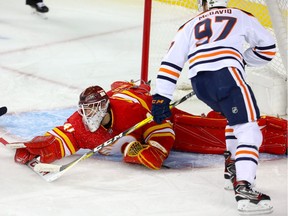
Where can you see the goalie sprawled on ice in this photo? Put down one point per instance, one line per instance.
(102, 115)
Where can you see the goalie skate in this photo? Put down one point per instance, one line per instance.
(251, 202)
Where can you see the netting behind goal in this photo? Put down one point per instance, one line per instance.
(269, 83)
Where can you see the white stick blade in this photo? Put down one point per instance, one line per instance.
(42, 167)
(15, 145)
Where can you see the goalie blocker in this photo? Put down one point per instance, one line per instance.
(207, 134)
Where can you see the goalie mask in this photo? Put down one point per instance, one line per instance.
(93, 106)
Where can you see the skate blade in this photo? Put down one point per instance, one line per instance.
(245, 207)
(38, 14)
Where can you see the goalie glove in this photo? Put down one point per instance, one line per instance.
(47, 147)
(150, 155)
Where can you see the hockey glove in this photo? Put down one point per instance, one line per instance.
(47, 147)
(160, 108)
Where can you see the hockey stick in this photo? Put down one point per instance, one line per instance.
(3, 110)
(51, 172)
(31, 164)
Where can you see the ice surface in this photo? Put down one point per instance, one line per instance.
(44, 65)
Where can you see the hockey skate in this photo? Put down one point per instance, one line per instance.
(39, 9)
(251, 202)
(229, 171)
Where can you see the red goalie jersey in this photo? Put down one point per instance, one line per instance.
(128, 105)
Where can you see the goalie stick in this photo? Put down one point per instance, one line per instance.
(51, 172)
(47, 176)
(3, 110)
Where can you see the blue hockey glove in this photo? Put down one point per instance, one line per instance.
(160, 108)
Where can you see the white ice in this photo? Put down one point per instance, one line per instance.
(44, 65)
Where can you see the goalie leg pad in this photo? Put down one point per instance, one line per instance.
(151, 155)
(274, 135)
(131, 152)
(199, 134)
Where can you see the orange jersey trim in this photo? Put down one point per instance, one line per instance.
(215, 54)
(246, 94)
(170, 72)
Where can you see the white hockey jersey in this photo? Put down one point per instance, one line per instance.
(213, 40)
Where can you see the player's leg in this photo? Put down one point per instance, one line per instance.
(210, 88)
(206, 86)
(241, 110)
(226, 91)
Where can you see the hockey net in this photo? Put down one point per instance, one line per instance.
(269, 83)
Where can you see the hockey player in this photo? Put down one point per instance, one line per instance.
(212, 44)
(100, 117)
(38, 5)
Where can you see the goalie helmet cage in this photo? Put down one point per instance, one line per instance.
(162, 18)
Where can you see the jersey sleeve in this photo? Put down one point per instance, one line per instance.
(66, 139)
(172, 64)
(65, 136)
(262, 45)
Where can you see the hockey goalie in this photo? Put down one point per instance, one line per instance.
(188, 132)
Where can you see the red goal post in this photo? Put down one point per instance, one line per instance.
(162, 18)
